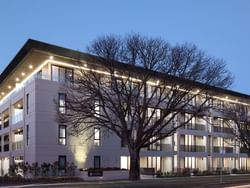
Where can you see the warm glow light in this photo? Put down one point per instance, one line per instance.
(17, 79)
(23, 74)
(9, 86)
(226, 97)
(51, 57)
(2, 93)
(18, 105)
(105, 73)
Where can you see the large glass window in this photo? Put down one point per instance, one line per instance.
(62, 135)
(62, 103)
(61, 74)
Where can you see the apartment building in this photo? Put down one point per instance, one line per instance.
(30, 132)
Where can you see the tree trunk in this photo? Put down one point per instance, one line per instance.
(134, 172)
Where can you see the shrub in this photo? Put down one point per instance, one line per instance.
(45, 167)
(24, 167)
(186, 172)
(13, 170)
(35, 169)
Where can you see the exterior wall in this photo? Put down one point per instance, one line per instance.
(187, 148)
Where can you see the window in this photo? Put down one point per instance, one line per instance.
(61, 74)
(97, 136)
(97, 108)
(153, 114)
(62, 135)
(27, 103)
(153, 91)
(62, 165)
(97, 161)
(124, 161)
(189, 121)
(6, 121)
(156, 146)
(27, 135)
(6, 143)
(61, 103)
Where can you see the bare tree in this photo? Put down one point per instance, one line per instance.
(137, 86)
(238, 120)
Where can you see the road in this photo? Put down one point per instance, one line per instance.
(187, 182)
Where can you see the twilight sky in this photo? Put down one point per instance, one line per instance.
(219, 27)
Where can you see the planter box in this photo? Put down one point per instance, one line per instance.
(107, 175)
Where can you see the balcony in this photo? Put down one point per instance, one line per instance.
(192, 148)
(199, 127)
(160, 147)
(244, 150)
(218, 149)
(223, 130)
(166, 147)
(17, 145)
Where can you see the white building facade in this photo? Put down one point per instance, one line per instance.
(30, 132)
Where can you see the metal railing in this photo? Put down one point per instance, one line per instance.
(196, 126)
(160, 147)
(222, 129)
(218, 149)
(192, 148)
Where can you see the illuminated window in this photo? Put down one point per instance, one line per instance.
(61, 74)
(62, 135)
(97, 108)
(97, 136)
(124, 162)
(62, 103)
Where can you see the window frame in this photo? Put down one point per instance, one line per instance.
(62, 106)
(99, 162)
(97, 141)
(62, 171)
(62, 137)
(65, 70)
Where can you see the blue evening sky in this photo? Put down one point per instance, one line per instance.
(219, 27)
